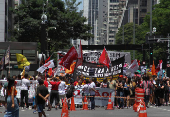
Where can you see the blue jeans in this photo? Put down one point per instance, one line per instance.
(121, 100)
(92, 101)
(12, 112)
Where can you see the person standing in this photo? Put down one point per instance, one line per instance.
(25, 84)
(69, 92)
(61, 90)
(147, 86)
(92, 93)
(54, 95)
(42, 96)
(86, 91)
(12, 104)
(112, 85)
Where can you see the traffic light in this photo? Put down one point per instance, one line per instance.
(151, 53)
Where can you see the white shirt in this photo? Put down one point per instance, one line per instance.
(61, 88)
(24, 84)
(92, 85)
(86, 88)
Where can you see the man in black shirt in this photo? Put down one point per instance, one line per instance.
(42, 96)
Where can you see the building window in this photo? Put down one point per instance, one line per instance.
(111, 41)
(143, 10)
(111, 36)
(113, 1)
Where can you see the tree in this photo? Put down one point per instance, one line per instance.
(160, 20)
(68, 24)
(128, 37)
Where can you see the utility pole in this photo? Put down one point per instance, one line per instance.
(134, 31)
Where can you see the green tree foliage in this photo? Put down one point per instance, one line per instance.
(69, 24)
(128, 37)
(160, 20)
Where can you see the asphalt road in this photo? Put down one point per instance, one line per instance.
(153, 111)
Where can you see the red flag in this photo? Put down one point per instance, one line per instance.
(104, 58)
(47, 59)
(50, 71)
(153, 69)
(69, 58)
(80, 56)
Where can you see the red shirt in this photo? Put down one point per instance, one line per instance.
(75, 83)
(54, 85)
(46, 83)
(15, 83)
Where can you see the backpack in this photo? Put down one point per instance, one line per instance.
(69, 90)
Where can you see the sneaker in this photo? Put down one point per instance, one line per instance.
(22, 108)
(34, 111)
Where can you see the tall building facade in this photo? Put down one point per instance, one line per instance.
(6, 19)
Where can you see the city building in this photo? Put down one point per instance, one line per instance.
(6, 20)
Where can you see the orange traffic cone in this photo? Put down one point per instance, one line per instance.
(64, 112)
(110, 104)
(142, 111)
(72, 107)
(85, 105)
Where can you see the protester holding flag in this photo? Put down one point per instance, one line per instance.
(54, 95)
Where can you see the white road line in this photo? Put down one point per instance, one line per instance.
(164, 109)
(168, 110)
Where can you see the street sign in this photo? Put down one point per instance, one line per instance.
(168, 65)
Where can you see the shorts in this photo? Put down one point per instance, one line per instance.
(40, 107)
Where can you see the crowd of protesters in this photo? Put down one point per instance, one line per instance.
(156, 91)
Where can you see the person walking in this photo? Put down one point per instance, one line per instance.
(25, 84)
(42, 96)
(92, 93)
(12, 104)
(54, 95)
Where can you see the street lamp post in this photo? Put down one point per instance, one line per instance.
(43, 33)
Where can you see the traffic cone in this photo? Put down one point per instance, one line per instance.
(110, 104)
(85, 105)
(64, 112)
(72, 107)
(142, 111)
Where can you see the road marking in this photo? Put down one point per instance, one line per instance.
(164, 109)
(22, 110)
(168, 110)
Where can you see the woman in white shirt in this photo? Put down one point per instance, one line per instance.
(86, 91)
